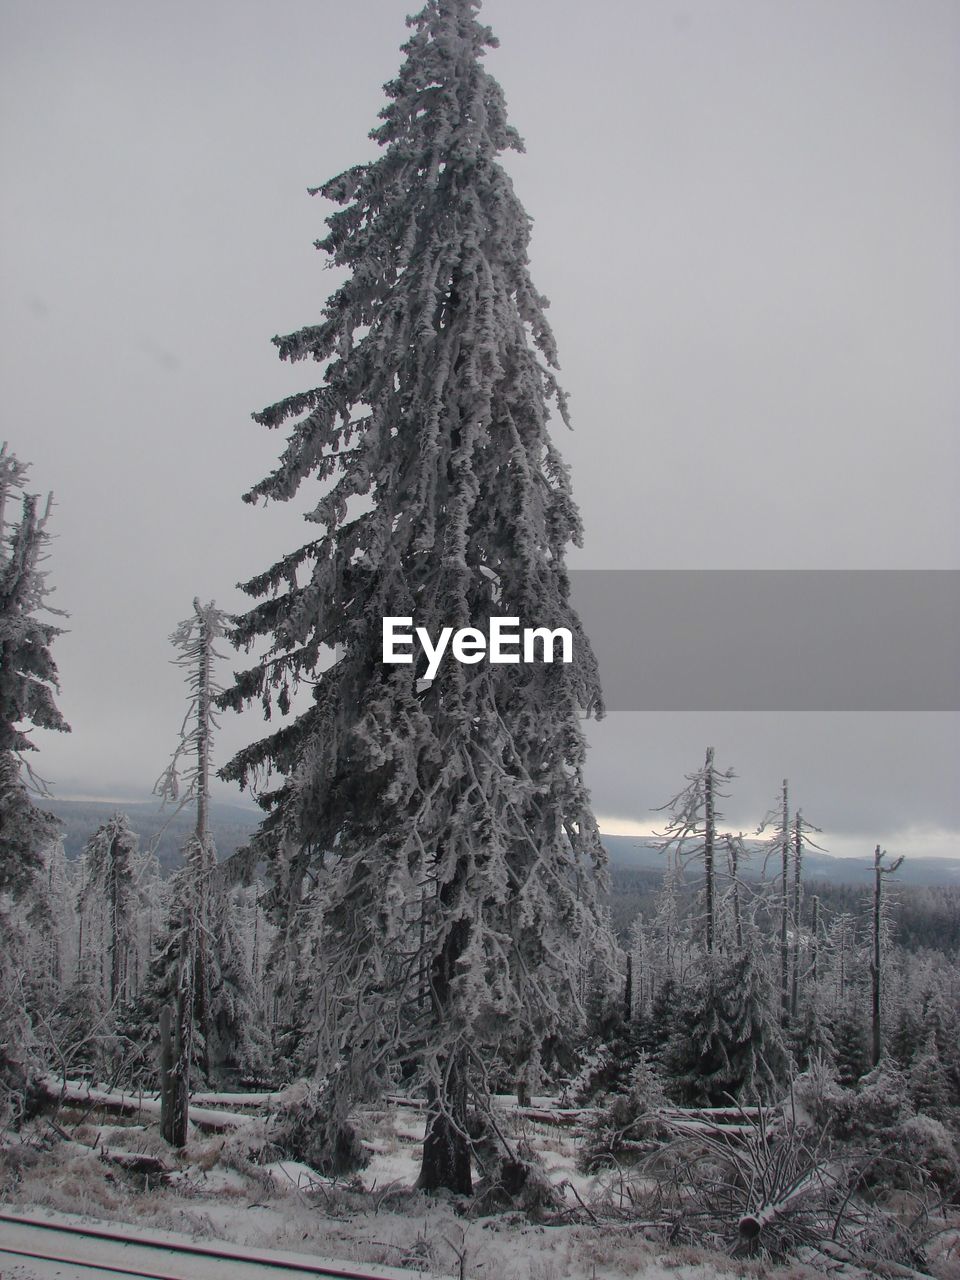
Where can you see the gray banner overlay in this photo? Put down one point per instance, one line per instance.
(773, 640)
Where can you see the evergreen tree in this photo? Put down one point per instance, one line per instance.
(789, 838)
(725, 1042)
(929, 1086)
(239, 1041)
(907, 1035)
(851, 1051)
(110, 889)
(28, 682)
(654, 1032)
(80, 1023)
(28, 677)
(441, 829)
(809, 1036)
(50, 919)
(780, 842)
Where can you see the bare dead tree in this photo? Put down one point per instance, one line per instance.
(801, 840)
(195, 637)
(879, 873)
(691, 832)
(789, 839)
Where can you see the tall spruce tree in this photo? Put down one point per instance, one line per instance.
(28, 675)
(441, 831)
(28, 683)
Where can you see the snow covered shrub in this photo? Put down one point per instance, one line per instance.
(821, 1101)
(625, 1129)
(875, 1127)
(869, 1115)
(592, 1079)
(508, 1179)
(308, 1126)
(17, 1037)
(882, 1102)
(929, 1082)
(927, 1145)
(848, 1035)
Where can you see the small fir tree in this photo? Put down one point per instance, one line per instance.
(851, 1050)
(110, 890)
(725, 1042)
(928, 1082)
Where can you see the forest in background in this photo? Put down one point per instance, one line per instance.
(924, 909)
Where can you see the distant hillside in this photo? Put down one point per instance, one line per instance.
(231, 825)
(924, 905)
(926, 910)
(630, 857)
(632, 853)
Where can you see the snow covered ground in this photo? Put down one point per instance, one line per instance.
(214, 1194)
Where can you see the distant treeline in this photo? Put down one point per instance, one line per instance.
(923, 917)
(163, 831)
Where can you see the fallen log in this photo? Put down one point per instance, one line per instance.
(132, 1104)
(145, 1166)
(751, 1224)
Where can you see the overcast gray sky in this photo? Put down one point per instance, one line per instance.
(747, 217)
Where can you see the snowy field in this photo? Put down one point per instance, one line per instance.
(213, 1192)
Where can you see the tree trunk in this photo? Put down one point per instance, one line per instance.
(815, 952)
(709, 844)
(784, 873)
(116, 928)
(180, 1071)
(879, 872)
(446, 1146)
(628, 990)
(875, 963)
(737, 910)
(797, 861)
(166, 1074)
(176, 1094)
(446, 1150)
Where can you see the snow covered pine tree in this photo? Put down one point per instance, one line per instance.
(441, 834)
(28, 677)
(28, 681)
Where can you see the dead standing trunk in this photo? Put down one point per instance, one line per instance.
(879, 871)
(118, 927)
(797, 865)
(709, 845)
(196, 638)
(784, 901)
(815, 946)
(174, 1081)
